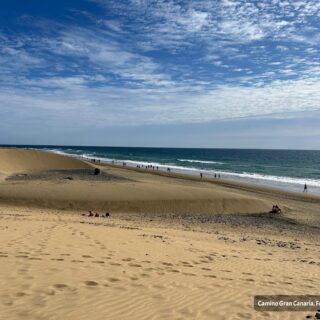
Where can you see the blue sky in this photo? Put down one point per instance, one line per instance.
(161, 73)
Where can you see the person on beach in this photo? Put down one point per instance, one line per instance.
(305, 189)
(201, 175)
(276, 209)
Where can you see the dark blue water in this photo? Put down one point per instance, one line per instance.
(286, 169)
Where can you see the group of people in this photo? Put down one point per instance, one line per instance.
(148, 167)
(276, 209)
(96, 214)
(215, 175)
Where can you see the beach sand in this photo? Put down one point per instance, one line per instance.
(174, 247)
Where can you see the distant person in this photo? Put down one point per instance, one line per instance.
(219, 176)
(276, 209)
(215, 175)
(305, 189)
(91, 214)
(201, 175)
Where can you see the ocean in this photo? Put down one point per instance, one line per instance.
(284, 169)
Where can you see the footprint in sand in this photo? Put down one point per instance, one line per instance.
(145, 275)
(7, 301)
(127, 259)
(167, 264)
(20, 294)
(135, 265)
(60, 286)
(91, 283)
(189, 274)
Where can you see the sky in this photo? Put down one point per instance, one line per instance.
(205, 73)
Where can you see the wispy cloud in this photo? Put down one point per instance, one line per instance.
(141, 62)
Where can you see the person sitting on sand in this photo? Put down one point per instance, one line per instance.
(97, 215)
(276, 209)
(91, 214)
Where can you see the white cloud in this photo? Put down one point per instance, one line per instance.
(170, 24)
(74, 100)
(107, 74)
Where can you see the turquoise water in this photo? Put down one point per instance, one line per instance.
(286, 169)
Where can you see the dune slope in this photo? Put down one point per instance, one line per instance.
(21, 160)
(121, 190)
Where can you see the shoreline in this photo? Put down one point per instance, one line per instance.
(184, 247)
(263, 180)
(245, 186)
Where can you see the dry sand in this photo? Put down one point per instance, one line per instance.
(173, 248)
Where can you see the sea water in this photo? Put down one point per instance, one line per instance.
(285, 169)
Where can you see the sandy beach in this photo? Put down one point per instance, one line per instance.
(173, 247)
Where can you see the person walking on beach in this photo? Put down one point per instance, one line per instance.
(305, 189)
(201, 175)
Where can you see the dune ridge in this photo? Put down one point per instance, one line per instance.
(172, 247)
(127, 191)
(13, 160)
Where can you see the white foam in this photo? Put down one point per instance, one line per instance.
(200, 161)
(271, 178)
(244, 176)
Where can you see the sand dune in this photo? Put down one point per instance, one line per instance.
(63, 266)
(125, 191)
(173, 248)
(21, 160)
